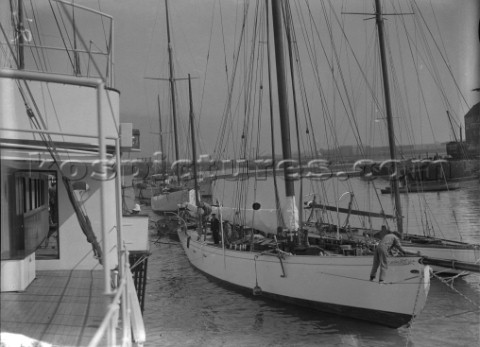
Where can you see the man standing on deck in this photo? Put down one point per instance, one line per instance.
(383, 250)
(215, 227)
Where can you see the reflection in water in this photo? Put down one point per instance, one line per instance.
(258, 324)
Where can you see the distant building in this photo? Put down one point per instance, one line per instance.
(472, 130)
(456, 150)
(136, 139)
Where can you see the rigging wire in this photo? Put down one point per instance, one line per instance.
(97, 68)
(414, 4)
(67, 51)
(38, 61)
(207, 59)
(319, 84)
(351, 118)
(103, 24)
(415, 64)
(223, 42)
(220, 146)
(409, 125)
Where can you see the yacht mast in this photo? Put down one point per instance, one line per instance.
(172, 90)
(194, 151)
(162, 153)
(303, 237)
(20, 35)
(388, 107)
(283, 113)
(282, 93)
(280, 221)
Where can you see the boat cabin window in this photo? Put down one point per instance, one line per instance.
(29, 211)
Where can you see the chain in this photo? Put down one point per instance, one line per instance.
(410, 324)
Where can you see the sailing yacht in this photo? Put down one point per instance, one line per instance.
(445, 256)
(276, 262)
(66, 276)
(171, 195)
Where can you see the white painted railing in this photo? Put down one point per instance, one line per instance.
(96, 56)
(124, 294)
(125, 299)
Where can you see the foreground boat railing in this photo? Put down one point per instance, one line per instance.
(124, 294)
(98, 56)
(111, 316)
(125, 299)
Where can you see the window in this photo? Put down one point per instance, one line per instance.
(29, 211)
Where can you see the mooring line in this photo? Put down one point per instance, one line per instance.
(450, 285)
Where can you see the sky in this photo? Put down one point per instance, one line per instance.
(141, 51)
(204, 36)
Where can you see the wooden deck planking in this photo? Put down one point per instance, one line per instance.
(62, 308)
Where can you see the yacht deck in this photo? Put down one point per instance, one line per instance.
(60, 308)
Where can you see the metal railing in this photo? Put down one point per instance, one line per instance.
(66, 52)
(123, 295)
(124, 299)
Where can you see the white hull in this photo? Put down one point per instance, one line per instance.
(145, 194)
(451, 254)
(169, 201)
(337, 284)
